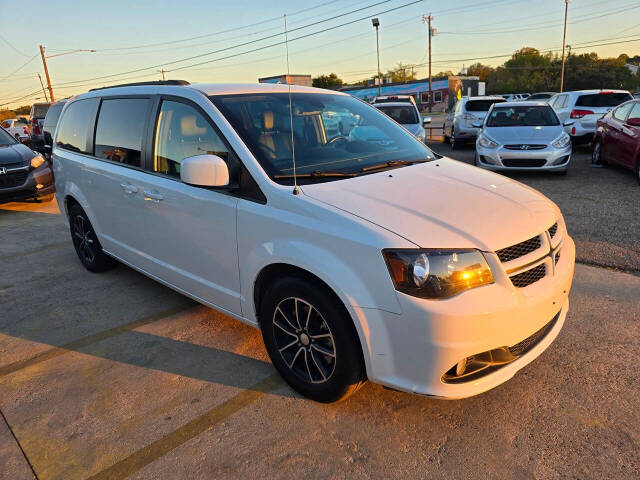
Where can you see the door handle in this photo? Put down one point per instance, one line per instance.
(153, 195)
(129, 188)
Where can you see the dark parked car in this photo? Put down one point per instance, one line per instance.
(49, 126)
(38, 112)
(617, 138)
(24, 174)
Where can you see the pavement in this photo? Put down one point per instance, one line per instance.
(111, 376)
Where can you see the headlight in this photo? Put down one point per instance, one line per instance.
(563, 141)
(37, 161)
(436, 273)
(486, 142)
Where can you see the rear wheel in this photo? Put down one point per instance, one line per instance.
(452, 140)
(86, 242)
(311, 340)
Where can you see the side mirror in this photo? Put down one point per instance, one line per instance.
(426, 120)
(634, 122)
(568, 123)
(476, 124)
(204, 171)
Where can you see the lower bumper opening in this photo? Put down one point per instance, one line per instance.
(481, 364)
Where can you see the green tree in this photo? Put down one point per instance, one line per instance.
(331, 81)
(23, 110)
(480, 70)
(5, 113)
(402, 73)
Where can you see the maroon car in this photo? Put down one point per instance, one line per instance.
(617, 138)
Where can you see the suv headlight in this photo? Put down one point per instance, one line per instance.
(436, 273)
(486, 142)
(37, 161)
(563, 141)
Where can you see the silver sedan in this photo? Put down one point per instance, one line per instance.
(523, 136)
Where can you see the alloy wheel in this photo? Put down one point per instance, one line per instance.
(304, 340)
(83, 237)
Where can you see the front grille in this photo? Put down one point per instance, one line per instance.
(531, 341)
(15, 179)
(525, 146)
(524, 162)
(529, 277)
(519, 250)
(557, 259)
(553, 230)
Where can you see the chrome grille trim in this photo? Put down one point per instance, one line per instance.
(525, 146)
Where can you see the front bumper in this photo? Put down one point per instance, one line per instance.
(37, 183)
(414, 350)
(502, 159)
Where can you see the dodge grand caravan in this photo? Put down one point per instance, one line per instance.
(358, 256)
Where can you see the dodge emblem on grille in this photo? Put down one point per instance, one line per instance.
(3, 170)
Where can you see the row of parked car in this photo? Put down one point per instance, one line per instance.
(539, 134)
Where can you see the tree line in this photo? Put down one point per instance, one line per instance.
(529, 70)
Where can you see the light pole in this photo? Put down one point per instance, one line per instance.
(564, 43)
(427, 19)
(376, 23)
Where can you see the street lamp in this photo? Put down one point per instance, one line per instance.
(376, 23)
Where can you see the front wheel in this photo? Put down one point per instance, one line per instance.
(452, 140)
(596, 154)
(311, 340)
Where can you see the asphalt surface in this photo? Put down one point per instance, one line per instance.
(601, 206)
(115, 376)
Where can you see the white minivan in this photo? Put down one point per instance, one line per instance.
(358, 256)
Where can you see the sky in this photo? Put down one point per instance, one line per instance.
(134, 39)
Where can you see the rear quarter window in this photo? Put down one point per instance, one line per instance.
(603, 99)
(39, 111)
(76, 125)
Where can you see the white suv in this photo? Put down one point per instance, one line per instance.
(580, 110)
(358, 259)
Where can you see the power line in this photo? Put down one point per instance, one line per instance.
(250, 42)
(12, 47)
(20, 67)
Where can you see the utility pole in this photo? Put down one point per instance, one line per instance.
(427, 19)
(564, 43)
(46, 73)
(43, 90)
(376, 23)
(162, 71)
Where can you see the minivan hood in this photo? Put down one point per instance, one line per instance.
(443, 204)
(17, 153)
(519, 135)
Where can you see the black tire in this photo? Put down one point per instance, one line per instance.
(306, 362)
(86, 242)
(596, 153)
(452, 141)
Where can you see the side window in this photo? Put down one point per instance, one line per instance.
(621, 112)
(120, 130)
(437, 96)
(564, 100)
(635, 112)
(75, 125)
(182, 132)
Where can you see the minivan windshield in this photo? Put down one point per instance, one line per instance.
(6, 139)
(334, 136)
(404, 114)
(525, 116)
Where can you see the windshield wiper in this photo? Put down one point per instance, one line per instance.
(392, 164)
(316, 174)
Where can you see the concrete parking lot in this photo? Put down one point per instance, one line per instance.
(115, 376)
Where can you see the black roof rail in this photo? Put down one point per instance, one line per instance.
(136, 84)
